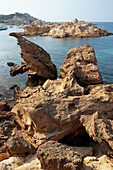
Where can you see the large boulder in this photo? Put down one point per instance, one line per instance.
(77, 29)
(81, 63)
(37, 59)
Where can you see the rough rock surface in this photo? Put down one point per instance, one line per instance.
(37, 59)
(6, 126)
(63, 111)
(54, 155)
(48, 116)
(77, 29)
(11, 163)
(62, 107)
(17, 145)
(17, 69)
(36, 30)
(81, 63)
(11, 138)
(16, 162)
(93, 163)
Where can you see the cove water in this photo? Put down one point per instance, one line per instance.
(57, 48)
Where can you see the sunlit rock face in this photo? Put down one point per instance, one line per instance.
(37, 59)
(81, 63)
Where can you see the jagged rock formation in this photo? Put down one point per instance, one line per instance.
(77, 29)
(60, 107)
(38, 60)
(48, 116)
(81, 62)
(61, 117)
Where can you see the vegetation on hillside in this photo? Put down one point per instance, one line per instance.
(9, 19)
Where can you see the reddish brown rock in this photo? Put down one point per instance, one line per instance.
(37, 59)
(81, 63)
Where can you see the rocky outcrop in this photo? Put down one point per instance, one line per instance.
(70, 125)
(36, 30)
(62, 107)
(77, 29)
(81, 63)
(53, 117)
(37, 59)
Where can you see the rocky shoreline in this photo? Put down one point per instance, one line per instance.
(75, 29)
(64, 123)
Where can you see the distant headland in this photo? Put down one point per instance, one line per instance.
(17, 19)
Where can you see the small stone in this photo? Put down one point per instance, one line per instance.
(10, 64)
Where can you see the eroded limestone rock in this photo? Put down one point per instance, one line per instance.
(37, 59)
(63, 109)
(77, 29)
(48, 116)
(81, 63)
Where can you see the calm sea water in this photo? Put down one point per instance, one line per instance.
(57, 48)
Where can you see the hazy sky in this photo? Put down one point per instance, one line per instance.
(61, 10)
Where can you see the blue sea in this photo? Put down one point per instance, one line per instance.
(57, 48)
